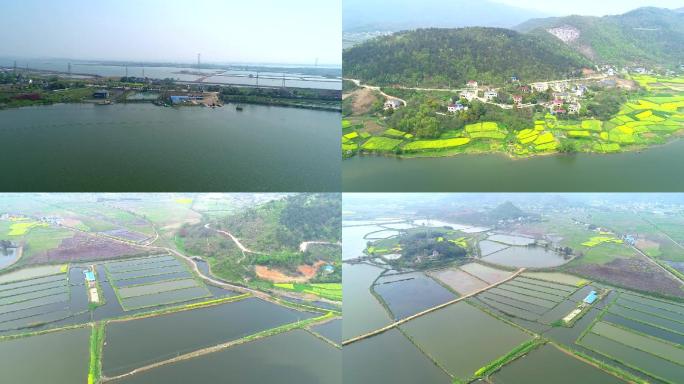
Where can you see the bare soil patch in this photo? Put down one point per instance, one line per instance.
(458, 280)
(634, 273)
(362, 100)
(84, 247)
(306, 273)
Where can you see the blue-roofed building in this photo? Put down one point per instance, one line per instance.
(591, 297)
(328, 269)
(89, 275)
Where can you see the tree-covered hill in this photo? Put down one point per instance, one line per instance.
(284, 224)
(646, 36)
(274, 232)
(450, 57)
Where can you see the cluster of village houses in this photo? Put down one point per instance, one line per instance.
(565, 93)
(565, 98)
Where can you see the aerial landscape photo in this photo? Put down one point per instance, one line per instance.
(513, 288)
(170, 288)
(498, 93)
(166, 96)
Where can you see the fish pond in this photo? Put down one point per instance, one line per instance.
(134, 343)
(57, 357)
(256, 362)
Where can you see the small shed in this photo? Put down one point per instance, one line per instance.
(89, 276)
(591, 297)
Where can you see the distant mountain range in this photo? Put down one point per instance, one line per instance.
(438, 57)
(398, 15)
(645, 36)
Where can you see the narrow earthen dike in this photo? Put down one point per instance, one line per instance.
(425, 312)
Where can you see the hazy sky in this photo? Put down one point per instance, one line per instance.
(255, 31)
(590, 7)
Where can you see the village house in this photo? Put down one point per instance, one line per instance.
(574, 108)
(540, 87)
(580, 90)
(392, 104)
(517, 99)
(490, 95)
(468, 95)
(472, 84)
(559, 86)
(456, 107)
(524, 88)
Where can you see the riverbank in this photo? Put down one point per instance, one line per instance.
(630, 170)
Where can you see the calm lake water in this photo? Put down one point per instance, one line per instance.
(141, 147)
(650, 170)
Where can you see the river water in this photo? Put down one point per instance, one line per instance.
(142, 147)
(650, 170)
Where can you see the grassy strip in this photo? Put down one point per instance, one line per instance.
(288, 327)
(42, 332)
(518, 351)
(302, 307)
(96, 343)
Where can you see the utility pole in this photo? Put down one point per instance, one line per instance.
(126, 72)
(69, 70)
(199, 68)
(283, 80)
(257, 79)
(15, 66)
(143, 69)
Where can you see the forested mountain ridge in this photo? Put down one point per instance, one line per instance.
(285, 223)
(646, 36)
(442, 57)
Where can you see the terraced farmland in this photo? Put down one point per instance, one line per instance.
(159, 280)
